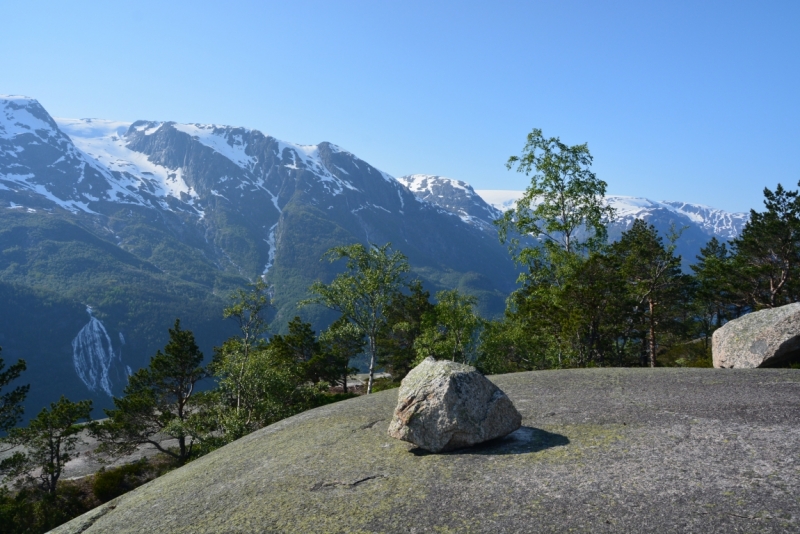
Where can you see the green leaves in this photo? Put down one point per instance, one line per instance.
(364, 292)
(259, 383)
(563, 205)
(158, 400)
(247, 309)
(450, 330)
(767, 253)
(50, 441)
(11, 401)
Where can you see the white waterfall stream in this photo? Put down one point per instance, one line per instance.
(93, 354)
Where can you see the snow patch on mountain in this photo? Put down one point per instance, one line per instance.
(222, 140)
(104, 142)
(429, 184)
(308, 157)
(19, 115)
(24, 182)
(452, 196)
(712, 221)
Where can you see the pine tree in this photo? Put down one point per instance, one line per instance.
(157, 401)
(11, 401)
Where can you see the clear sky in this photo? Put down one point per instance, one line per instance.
(696, 101)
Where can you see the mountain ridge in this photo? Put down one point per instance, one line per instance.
(148, 221)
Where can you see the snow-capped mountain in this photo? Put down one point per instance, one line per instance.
(453, 196)
(711, 221)
(149, 221)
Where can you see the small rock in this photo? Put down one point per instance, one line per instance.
(764, 338)
(445, 405)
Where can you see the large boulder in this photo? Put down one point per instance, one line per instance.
(445, 405)
(766, 338)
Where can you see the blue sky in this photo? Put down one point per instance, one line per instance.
(693, 101)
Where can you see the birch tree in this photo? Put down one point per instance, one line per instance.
(364, 292)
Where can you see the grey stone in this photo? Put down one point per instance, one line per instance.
(444, 405)
(600, 450)
(765, 338)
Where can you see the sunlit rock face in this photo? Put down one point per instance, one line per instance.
(766, 338)
(599, 450)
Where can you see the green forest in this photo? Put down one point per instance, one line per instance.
(581, 301)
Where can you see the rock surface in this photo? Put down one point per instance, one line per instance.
(600, 450)
(444, 405)
(766, 338)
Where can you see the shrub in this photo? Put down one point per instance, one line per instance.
(111, 483)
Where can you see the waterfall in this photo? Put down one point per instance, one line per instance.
(93, 354)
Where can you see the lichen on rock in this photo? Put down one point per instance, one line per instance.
(445, 405)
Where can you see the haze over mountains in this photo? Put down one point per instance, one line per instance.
(148, 221)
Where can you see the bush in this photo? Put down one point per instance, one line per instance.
(111, 483)
(330, 398)
(108, 484)
(382, 384)
(31, 510)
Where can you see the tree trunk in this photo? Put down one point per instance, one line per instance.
(652, 334)
(371, 364)
(182, 448)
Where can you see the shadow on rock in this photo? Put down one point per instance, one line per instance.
(524, 440)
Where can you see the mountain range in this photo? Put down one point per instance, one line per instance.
(109, 231)
(695, 223)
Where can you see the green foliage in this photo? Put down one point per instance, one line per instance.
(340, 343)
(11, 401)
(267, 388)
(330, 398)
(299, 346)
(450, 330)
(695, 353)
(258, 382)
(364, 292)
(766, 258)
(382, 384)
(713, 292)
(30, 510)
(110, 483)
(653, 277)
(135, 274)
(157, 401)
(403, 326)
(247, 309)
(563, 200)
(583, 304)
(49, 442)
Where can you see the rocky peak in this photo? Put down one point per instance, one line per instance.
(453, 196)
